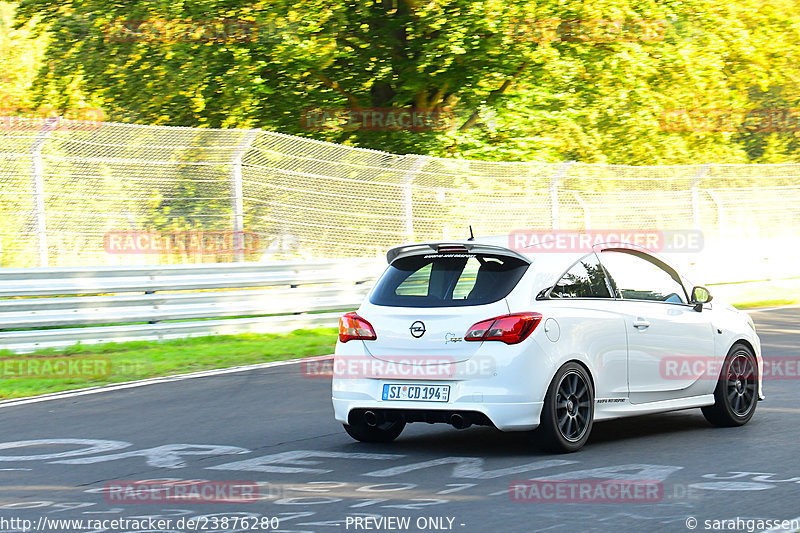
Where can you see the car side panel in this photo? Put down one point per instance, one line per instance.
(589, 330)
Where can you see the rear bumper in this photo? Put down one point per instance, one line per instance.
(509, 412)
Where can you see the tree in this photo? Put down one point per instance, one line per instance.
(590, 81)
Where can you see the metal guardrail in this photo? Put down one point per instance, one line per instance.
(58, 307)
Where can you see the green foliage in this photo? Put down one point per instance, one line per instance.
(20, 54)
(548, 81)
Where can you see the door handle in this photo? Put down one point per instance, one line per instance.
(641, 323)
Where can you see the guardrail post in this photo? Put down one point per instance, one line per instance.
(237, 195)
(37, 188)
(555, 180)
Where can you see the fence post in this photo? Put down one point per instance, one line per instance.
(555, 180)
(702, 172)
(587, 216)
(237, 194)
(408, 193)
(37, 188)
(720, 213)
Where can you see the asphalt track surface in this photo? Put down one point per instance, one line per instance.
(275, 427)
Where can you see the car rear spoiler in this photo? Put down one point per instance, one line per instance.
(406, 250)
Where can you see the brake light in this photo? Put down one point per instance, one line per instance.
(353, 328)
(510, 329)
(451, 249)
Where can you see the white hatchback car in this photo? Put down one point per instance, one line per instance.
(472, 332)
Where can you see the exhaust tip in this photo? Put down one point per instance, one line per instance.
(371, 419)
(459, 422)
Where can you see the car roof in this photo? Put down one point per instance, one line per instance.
(548, 264)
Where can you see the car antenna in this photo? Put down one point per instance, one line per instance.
(471, 235)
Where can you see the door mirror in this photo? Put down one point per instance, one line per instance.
(700, 296)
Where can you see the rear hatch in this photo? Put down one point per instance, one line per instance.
(430, 296)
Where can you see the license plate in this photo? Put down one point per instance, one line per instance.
(416, 393)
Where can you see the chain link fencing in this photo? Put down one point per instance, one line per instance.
(77, 193)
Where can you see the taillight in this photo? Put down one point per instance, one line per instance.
(353, 328)
(510, 329)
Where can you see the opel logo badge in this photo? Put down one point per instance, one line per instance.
(417, 329)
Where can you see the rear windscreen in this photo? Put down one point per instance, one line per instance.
(445, 280)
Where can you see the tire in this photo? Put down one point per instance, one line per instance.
(384, 432)
(568, 412)
(736, 394)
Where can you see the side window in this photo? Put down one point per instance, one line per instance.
(584, 280)
(466, 282)
(636, 278)
(416, 284)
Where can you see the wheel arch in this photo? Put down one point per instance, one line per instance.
(583, 365)
(759, 364)
(742, 341)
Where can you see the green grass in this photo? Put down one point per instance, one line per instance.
(755, 304)
(140, 360)
(764, 295)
